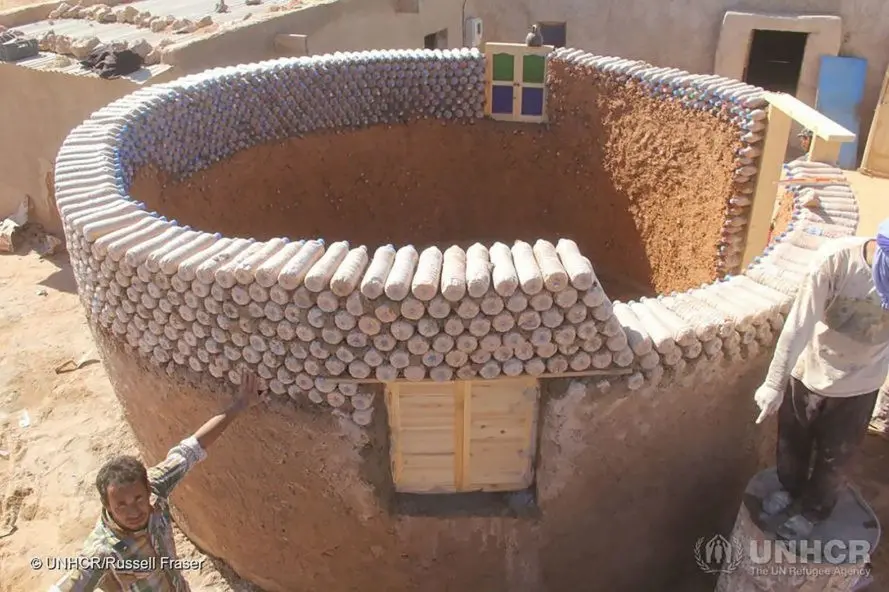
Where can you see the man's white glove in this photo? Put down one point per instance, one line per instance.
(769, 400)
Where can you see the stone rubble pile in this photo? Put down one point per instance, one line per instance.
(81, 47)
(102, 13)
(317, 319)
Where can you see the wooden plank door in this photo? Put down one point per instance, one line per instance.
(463, 436)
(501, 435)
(423, 433)
(840, 92)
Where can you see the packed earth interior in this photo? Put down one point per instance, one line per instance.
(639, 183)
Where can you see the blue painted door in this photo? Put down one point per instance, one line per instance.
(840, 91)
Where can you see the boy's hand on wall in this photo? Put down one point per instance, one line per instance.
(250, 392)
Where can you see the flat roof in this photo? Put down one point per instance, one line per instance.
(115, 32)
(53, 62)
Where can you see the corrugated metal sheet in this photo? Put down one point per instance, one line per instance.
(50, 62)
(111, 32)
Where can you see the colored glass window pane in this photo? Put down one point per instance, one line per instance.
(533, 68)
(504, 67)
(532, 101)
(501, 99)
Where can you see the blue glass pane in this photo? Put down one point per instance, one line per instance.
(501, 99)
(532, 101)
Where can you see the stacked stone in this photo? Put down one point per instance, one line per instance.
(206, 118)
(739, 103)
(102, 13)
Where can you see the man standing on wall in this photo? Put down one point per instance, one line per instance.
(131, 547)
(830, 360)
(805, 141)
(534, 38)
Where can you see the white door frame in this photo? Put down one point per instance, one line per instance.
(825, 37)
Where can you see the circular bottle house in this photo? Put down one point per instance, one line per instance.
(500, 298)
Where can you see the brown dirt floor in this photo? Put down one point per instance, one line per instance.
(639, 183)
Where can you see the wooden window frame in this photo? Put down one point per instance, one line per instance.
(518, 51)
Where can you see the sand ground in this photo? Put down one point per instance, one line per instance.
(48, 500)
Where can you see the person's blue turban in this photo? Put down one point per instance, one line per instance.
(881, 263)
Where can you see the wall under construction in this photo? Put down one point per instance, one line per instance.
(630, 420)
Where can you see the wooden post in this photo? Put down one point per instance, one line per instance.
(839, 548)
(876, 152)
(827, 138)
(824, 151)
(766, 190)
(291, 45)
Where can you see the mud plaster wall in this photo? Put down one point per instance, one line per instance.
(639, 183)
(634, 29)
(39, 110)
(293, 499)
(149, 287)
(341, 25)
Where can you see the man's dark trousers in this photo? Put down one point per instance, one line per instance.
(830, 429)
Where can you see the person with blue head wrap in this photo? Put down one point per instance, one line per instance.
(880, 266)
(829, 363)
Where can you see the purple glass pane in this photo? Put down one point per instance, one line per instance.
(501, 99)
(532, 101)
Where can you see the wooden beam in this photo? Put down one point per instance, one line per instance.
(291, 44)
(821, 126)
(518, 49)
(766, 191)
(875, 161)
(581, 374)
(392, 406)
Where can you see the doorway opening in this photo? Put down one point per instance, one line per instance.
(437, 40)
(775, 60)
(554, 34)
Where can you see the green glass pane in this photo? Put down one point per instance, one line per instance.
(504, 67)
(533, 68)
